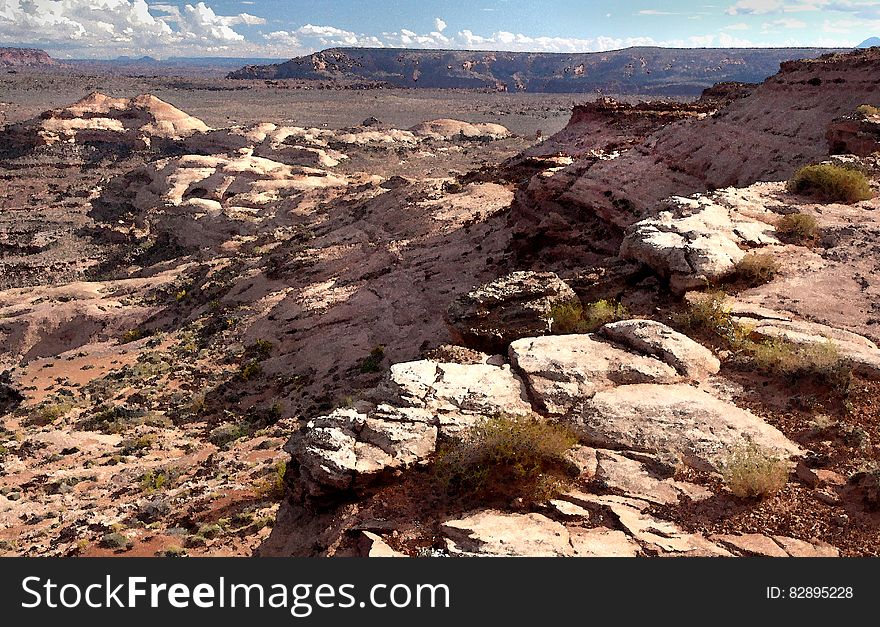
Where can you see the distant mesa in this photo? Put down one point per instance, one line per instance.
(644, 71)
(143, 59)
(25, 57)
(870, 43)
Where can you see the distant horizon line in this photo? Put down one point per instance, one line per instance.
(391, 48)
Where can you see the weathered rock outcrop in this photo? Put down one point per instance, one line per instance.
(695, 242)
(491, 532)
(453, 129)
(201, 200)
(113, 123)
(689, 358)
(765, 136)
(854, 135)
(676, 422)
(349, 448)
(859, 351)
(563, 370)
(493, 315)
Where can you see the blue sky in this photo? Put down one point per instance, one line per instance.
(285, 28)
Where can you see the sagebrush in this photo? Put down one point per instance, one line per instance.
(832, 183)
(506, 456)
(572, 317)
(751, 472)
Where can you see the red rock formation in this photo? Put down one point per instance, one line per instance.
(13, 57)
(854, 135)
(764, 136)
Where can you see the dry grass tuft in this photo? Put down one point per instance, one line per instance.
(751, 472)
(510, 457)
(831, 183)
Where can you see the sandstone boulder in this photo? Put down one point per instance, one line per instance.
(452, 129)
(518, 305)
(603, 542)
(854, 134)
(663, 537)
(457, 395)
(676, 422)
(620, 473)
(654, 338)
(694, 242)
(496, 533)
(349, 448)
(562, 371)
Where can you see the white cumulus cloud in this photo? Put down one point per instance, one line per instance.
(110, 27)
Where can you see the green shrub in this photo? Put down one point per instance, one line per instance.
(373, 361)
(210, 531)
(750, 472)
(757, 268)
(114, 419)
(157, 480)
(262, 348)
(273, 487)
(132, 335)
(868, 110)
(510, 457)
(799, 226)
(250, 370)
(572, 317)
(48, 413)
(831, 183)
(172, 551)
(116, 541)
(228, 433)
(139, 444)
(709, 312)
(822, 362)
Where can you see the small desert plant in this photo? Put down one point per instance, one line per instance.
(250, 370)
(831, 183)
(157, 480)
(819, 361)
(262, 348)
(113, 419)
(453, 187)
(172, 551)
(116, 541)
(750, 472)
(868, 110)
(757, 268)
(138, 444)
(710, 312)
(273, 487)
(373, 361)
(798, 226)
(132, 335)
(49, 413)
(508, 456)
(228, 433)
(572, 317)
